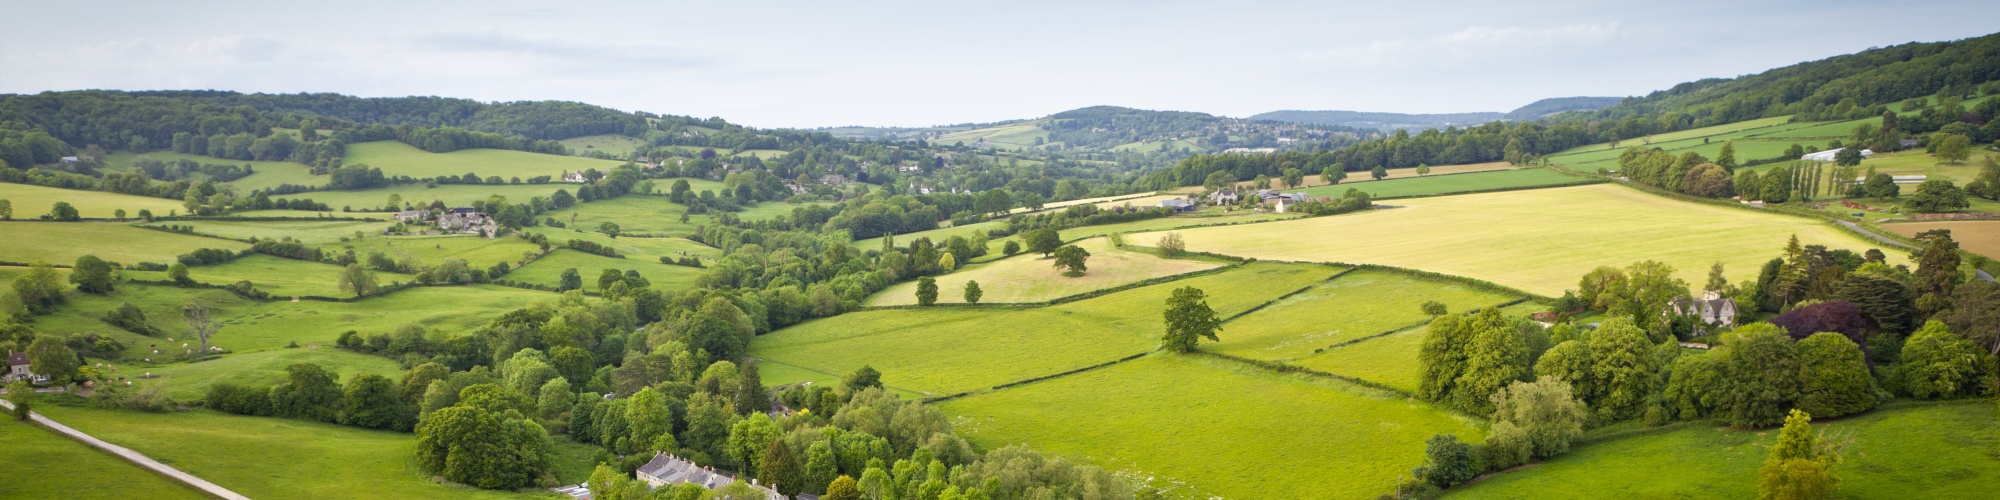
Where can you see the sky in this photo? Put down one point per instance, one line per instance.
(873, 63)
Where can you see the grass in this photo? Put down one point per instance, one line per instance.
(1930, 450)
(1354, 305)
(275, 458)
(63, 242)
(1389, 360)
(1216, 427)
(949, 350)
(280, 276)
(31, 201)
(770, 209)
(611, 144)
(42, 464)
(1031, 278)
(548, 270)
(396, 158)
(1980, 237)
(1540, 241)
(632, 247)
(456, 195)
(1445, 184)
(637, 214)
(306, 231)
(430, 250)
(269, 174)
(1359, 178)
(190, 381)
(1013, 136)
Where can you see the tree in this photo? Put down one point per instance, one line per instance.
(571, 280)
(1442, 357)
(309, 392)
(483, 445)
(1954, 148)
(91, 275)
(1423, 170)
(202, 321)
(1569, 361)
(610, 229)
(649, 422)
(372, 401)
(178, 273)
(6, 210)
(1498, 356)
(358, 280)
(927, 291)
(1218, 180)
(1727, 157)
(821, 468)
(972, 292)
(1434, 308)
(1880, 186)
(48, 357)
(1833, 376)
(1043, 241)
(861, 378)
(1937, 195)
(1333, 174)
(1071, 258)
(1624, 370)
(1012, 247)
(1938, 364)
(1937, 270)
(22, 396)
(1709, 180)
(1847, 157)
(1447, 461)
(1189, 319)
(1761, 366)
(40, 290)
(1293, 177)
(63, 211)
(1800, 466)
(1535, 420)
(1378, 173)
(947, 263)
(1172, 244)
(751, 396)
(1718, 283)
(842, 488)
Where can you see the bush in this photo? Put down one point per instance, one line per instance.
(146, 399)
(238, 399)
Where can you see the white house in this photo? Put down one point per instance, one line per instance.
(576, 177)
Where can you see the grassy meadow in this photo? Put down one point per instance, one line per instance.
(280, 276)
(268, 174)
(611, 144)
(31, 201)
(43, 464)
(1030, 278)
(548, 270)
(306, 231)
(455, 195)
(63, 242)
(1540, 241)
(190, 381)
(396, 158)
(1013, 136)
(633, 247)
(430, 250)
(637, 214)
(1456, 183)
(1216, 428)
(1355, 305)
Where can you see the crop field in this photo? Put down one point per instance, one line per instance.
(1980, 237)
(1459, 183)
(1145, 202)
(1362, 177)
(548, 270)
(611, 144)
(31, 201)
(267, 174)
(396, 158)
(1540, 241)
(1217, 427)
(1354, 305)
(42, 464)
(641, 214)
(1030, 278)
(949, 350)
(1943, 450)
(306, 231)
(190, 381)
(430, 250)
(632, 247)
(280, 276)
(63, 242)
(264, 457)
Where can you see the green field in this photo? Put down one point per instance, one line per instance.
(63, 242)
(431, 250)
(1032, 278)
(1013, 136)
(31, 201)
(949, 350)
(455, 195)
(547, 271)
(1455, 183)
(274, 458)
(281, 277)
(1216, 428)
(636, 214)
(42, 464)
(1541, 241)
(268, 174)
(190, 381)
(1354, 305)
(1913, 450)
(611, 144)
(306, 231)
(770, 209)
(1390, 360)
(632, 247)
(396, 158)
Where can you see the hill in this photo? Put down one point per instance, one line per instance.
(1418, 121)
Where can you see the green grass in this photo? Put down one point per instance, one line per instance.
(1540, 241)
(63, 242)
(611, 144)
(455, 195)
(632, 247)
(431, 250)
(1013, 136)
(275, 458)
(396, 158)
(1927, 450)
(1216, 428)
(280, 276)
(306, 231)
(770, 209)
(1032, 278)
(1455, 183)
(1389, 360)
(949, 350)
(268, 174)
(31, 201)
(42, 464)
(548, 270)
(190, 381)
(1355, 305)
(636, 214)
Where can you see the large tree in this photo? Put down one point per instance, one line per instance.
(483, 443)
(40, 289)
(310, 392)
(1043, 241)
(1535, 420)
(927, 291)
(92, 275)
(1799, 467)
(1624, 371)
(372, 401)
(1497, 356)
(1937, 195)
(1189, 319)
(1071, 259)
(358, 280)
(1938, 364)
(1762, 366)
(48, 357)
(201, 319)
(1833, 376)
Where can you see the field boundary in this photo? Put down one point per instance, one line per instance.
(135, 458)
(1066, 298)
(1281, 367)
(1413, 326)
(1287, 295)
(1041, 378)
(823, 372)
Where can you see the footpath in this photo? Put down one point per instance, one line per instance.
(136, 458)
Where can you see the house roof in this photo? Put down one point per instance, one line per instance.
(17, 358)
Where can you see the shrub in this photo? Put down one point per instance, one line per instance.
(238, 399)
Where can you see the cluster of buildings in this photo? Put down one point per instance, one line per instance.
(457, 220)
(1274, 200)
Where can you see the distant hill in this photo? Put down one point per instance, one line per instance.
(1393, 121)
(1158, 135)
(1553, 105)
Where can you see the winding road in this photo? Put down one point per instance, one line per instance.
(1884, 239)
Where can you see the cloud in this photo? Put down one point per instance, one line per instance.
(1477, 44)
(591, 56)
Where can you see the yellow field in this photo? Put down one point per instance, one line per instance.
(31, 201)
(1980, 237)
(1312, 178)
(1541, 241)
(1031, 278)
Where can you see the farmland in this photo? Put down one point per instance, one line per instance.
(280, 276)
(634, 247)
(636, 214)
(1540, 241)
(1031, 278)
(31, 201)
(547, 271)
(306, 231)
(431, 250)
(1355, 305)
(62, 243)
(1457, 183)
(611, 144)
(456, 195)
(1216, 427)
(1980, 237)
(267, 174)
(397, 159)
(41, 464)
(189, 381)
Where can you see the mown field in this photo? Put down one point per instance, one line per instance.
(1458, 183)
(1216, 428)
(1541, 241)
(548, 270)
(1029, 277)
(263, 457)
(1907, 450)
(949, 350)
(396, 158)
(1355, 305)
(31, 201)
(42, 464)
(1980, 237)
(63, 242)
(306, 231)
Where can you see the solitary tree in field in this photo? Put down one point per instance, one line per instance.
(1423, 170)
(570, 280)
(1378, 173)
(91, 275)
(609, 228)
(1294, 178)
(63, 211)
(1172, 244)
(1800, 465)
(1333, 174)
(927, 291)
(201, 319)
(6, 210)
(1189, 319)
(1070, 258)
(1434, 308)
(358, 280)
(972, 292)
(1954, 148)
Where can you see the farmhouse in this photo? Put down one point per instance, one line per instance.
(667, 469)
(412, 215)
(17, 369)
(576, 177)
(1224, 197)
(466, 220)
(1711, 309)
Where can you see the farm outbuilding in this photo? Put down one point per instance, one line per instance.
(1829, 154)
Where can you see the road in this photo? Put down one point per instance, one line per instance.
(1884, 239)
(132, 456)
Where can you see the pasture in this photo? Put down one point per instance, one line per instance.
(636, 214)
(42, 464)
(1540, 241)
(266, 174)
(396, 158)
(1980, 237)
(1390, 359)
(547, 271)
(31, 201)
(946, 350)
(1216, 428)
(280, 276)
(190, 381)
(454, 195)
(611, 144)
(1354, 305)
(306, 231)
(264, 457)
(1926, 449)
(1457, 183)
(431, 250)
(1011, 136)
(63, 242)
(1358, 178)
(1030, 278)
(633, 247)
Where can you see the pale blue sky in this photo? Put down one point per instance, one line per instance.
(825, 63)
